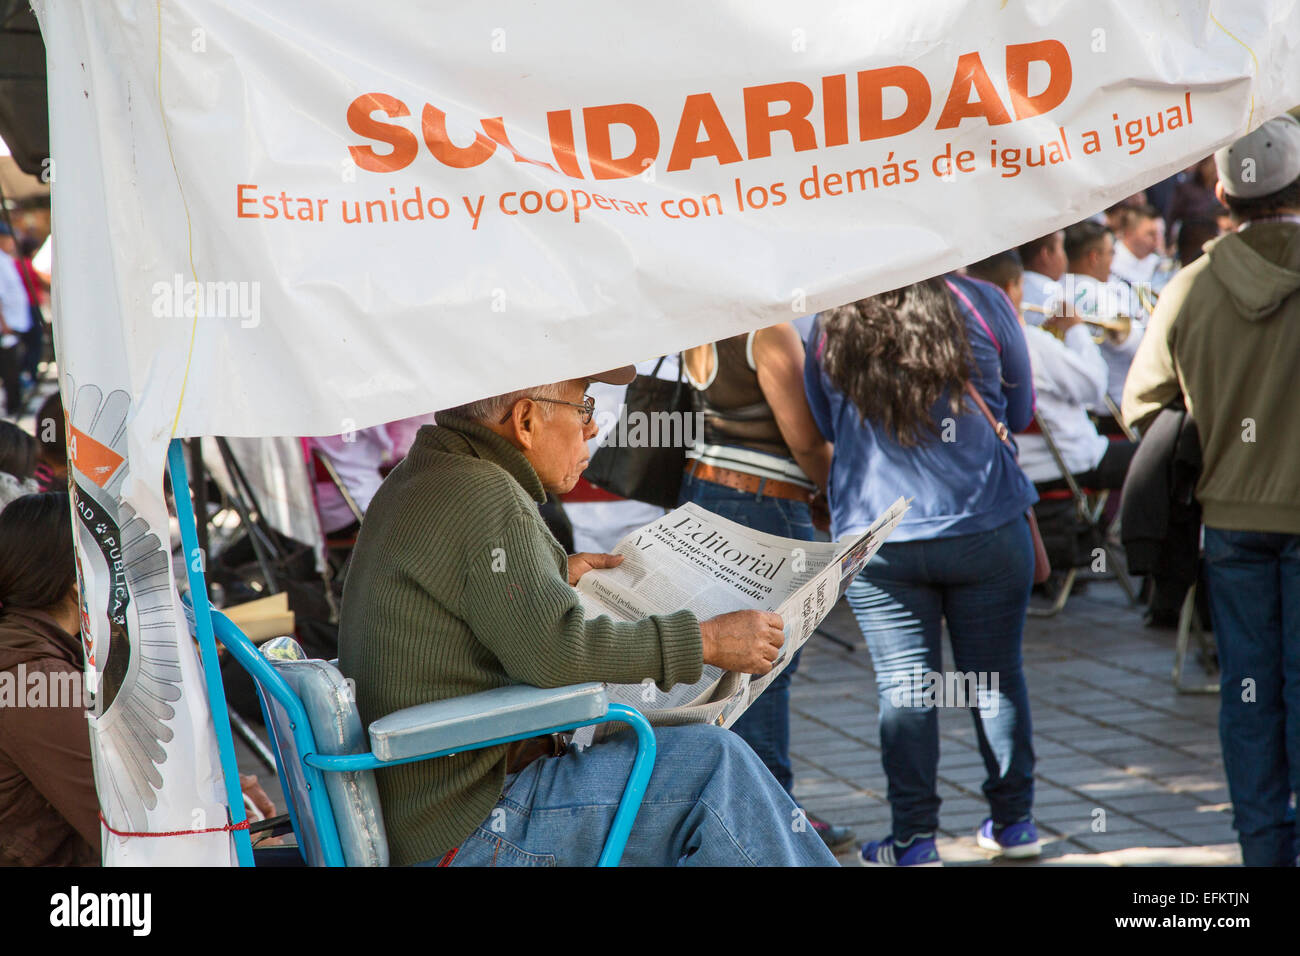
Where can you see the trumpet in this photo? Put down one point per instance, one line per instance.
(1117, 329)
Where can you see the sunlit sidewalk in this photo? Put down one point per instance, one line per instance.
(1128, 770)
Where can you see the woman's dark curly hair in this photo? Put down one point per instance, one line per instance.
(37, 569)
(895, 354)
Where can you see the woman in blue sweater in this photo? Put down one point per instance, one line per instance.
(886, 380)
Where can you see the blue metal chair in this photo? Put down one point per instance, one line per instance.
(326, 769)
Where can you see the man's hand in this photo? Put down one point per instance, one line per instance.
(584, 561)
(1059, 324)
(819, 507)
(745, 641)
(256, 795)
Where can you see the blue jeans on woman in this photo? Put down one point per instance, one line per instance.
(980, 584)
(765, 726)
(1254, 585)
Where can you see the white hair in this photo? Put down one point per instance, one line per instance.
(12, 488)
(490, 411)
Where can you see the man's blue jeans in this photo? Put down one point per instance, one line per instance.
(765, 726)
(709, 803)
(980, 584)
(1254, 585)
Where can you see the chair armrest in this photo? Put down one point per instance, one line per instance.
(462, 722)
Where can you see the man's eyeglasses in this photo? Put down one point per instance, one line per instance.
(588, 407)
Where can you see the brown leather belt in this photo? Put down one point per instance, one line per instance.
(743, 481)
(523, 752)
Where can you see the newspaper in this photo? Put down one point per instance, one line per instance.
(691, 558)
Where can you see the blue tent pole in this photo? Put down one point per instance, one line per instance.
(194, 563)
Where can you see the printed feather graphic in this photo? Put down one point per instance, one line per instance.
(127, 590)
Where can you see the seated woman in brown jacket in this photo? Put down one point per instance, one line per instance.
(49, 814)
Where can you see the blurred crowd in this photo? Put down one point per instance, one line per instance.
(24, 296)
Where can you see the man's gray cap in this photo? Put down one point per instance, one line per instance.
(1261, 162)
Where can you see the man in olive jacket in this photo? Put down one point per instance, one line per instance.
(456, 586)
(1226, 336)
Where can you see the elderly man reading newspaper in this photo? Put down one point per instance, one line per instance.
(456, 586)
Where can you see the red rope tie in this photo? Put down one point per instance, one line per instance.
(172, 833)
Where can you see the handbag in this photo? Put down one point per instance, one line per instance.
(1042, 567)
(649, 471)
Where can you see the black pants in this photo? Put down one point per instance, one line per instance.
(34, 344)
(10, 366)
(1107, 425)
(1108, 473)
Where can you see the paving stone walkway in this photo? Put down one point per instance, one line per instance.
(1128, 769)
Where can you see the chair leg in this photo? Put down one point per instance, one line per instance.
(638, 779)
(1066, 587)
(1189, 625)
(1098, 507)
(1108, 536)
(1121, 573)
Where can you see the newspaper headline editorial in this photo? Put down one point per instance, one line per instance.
(693, 559)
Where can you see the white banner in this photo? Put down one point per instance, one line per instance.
(297, 218)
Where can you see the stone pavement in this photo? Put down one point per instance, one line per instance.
(1110, 734)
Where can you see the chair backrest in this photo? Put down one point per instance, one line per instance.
(335, 728)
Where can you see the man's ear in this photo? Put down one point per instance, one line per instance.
(1219, 193)
(524, 421)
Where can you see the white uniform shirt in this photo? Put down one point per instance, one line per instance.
(13, 297)
(1040, 292)
(1131, 269)
(1069, 376)
(1093, 299)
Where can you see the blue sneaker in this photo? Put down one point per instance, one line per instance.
(918, 851)
(1015, 841)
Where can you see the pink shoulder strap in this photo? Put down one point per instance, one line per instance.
(975, 312)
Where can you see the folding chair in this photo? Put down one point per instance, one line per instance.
(1089, 507)
(325, 767)
(1191, 629)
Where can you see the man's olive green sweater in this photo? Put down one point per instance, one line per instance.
(457, 586)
